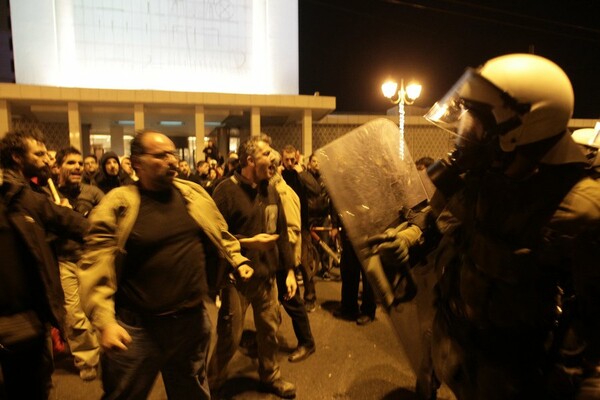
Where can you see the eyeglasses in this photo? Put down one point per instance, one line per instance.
(164, 155)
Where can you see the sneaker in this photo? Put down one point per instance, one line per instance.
(279, 387)
(88, 374)
(310, 306)
(364, 319)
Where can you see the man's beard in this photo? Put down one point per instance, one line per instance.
(42, 174)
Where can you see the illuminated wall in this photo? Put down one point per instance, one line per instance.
(228, 46)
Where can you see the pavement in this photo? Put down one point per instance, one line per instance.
(351, 362)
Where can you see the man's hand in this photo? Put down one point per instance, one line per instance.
(64, 202)
(114, 336)
(290, 284)
(298, 168)
(262, 241)
(245, 272)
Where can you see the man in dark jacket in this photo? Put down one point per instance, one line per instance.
(110, 174)
(306, 187)
(254, 214)
(31, 295)
(201, 174)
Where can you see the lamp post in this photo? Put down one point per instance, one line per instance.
(401, 97)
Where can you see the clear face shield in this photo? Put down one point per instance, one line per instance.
(472, 96)
(472, 111)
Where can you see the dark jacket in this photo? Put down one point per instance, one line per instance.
(33, 216)
(88, 178)
(305, 186)
(108, 182)
(318, 202)
(252, 210)
(83, 198)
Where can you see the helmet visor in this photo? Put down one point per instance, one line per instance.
(471, 98)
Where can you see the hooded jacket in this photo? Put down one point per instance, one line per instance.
(108, 182)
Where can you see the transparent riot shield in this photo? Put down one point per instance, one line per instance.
(372, 181)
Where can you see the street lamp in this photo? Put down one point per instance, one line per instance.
(401, 97)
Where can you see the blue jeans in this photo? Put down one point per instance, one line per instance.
(176, 346)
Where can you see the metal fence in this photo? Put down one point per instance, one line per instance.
(422, 138)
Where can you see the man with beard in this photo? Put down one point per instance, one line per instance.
(144, 276)
(31, 296)
(81, 336)
(110, 175)
(82, 197)
(254, 213)
(184, 171)
(35, 165)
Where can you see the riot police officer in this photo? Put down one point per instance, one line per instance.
(518, 302)
(518, 296)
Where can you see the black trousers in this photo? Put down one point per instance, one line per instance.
(351, 272)
(26, 369)
(294, 307)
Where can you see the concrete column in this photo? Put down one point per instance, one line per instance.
(139, 122)
(116, 139)
(223, 142)
(307, 133)
(74, 125)
(5, 118)
(255, 121)
(85, 139)
(200, 132)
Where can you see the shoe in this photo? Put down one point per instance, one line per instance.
(310, 306)
(341, 313)
(301, 353)
(364, 319)
(88, 374)
(326, 276)
(279, 387)
(299, 279)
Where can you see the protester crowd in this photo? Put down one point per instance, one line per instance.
(122, 255)
(200, 237)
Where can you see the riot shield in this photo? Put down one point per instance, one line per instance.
(373, 181)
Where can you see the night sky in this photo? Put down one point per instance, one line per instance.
(349, 47)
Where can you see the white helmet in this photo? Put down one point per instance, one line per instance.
(589, 140)
(589, 137)
(528, 97)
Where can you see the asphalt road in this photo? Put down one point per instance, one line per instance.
(351, 362)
